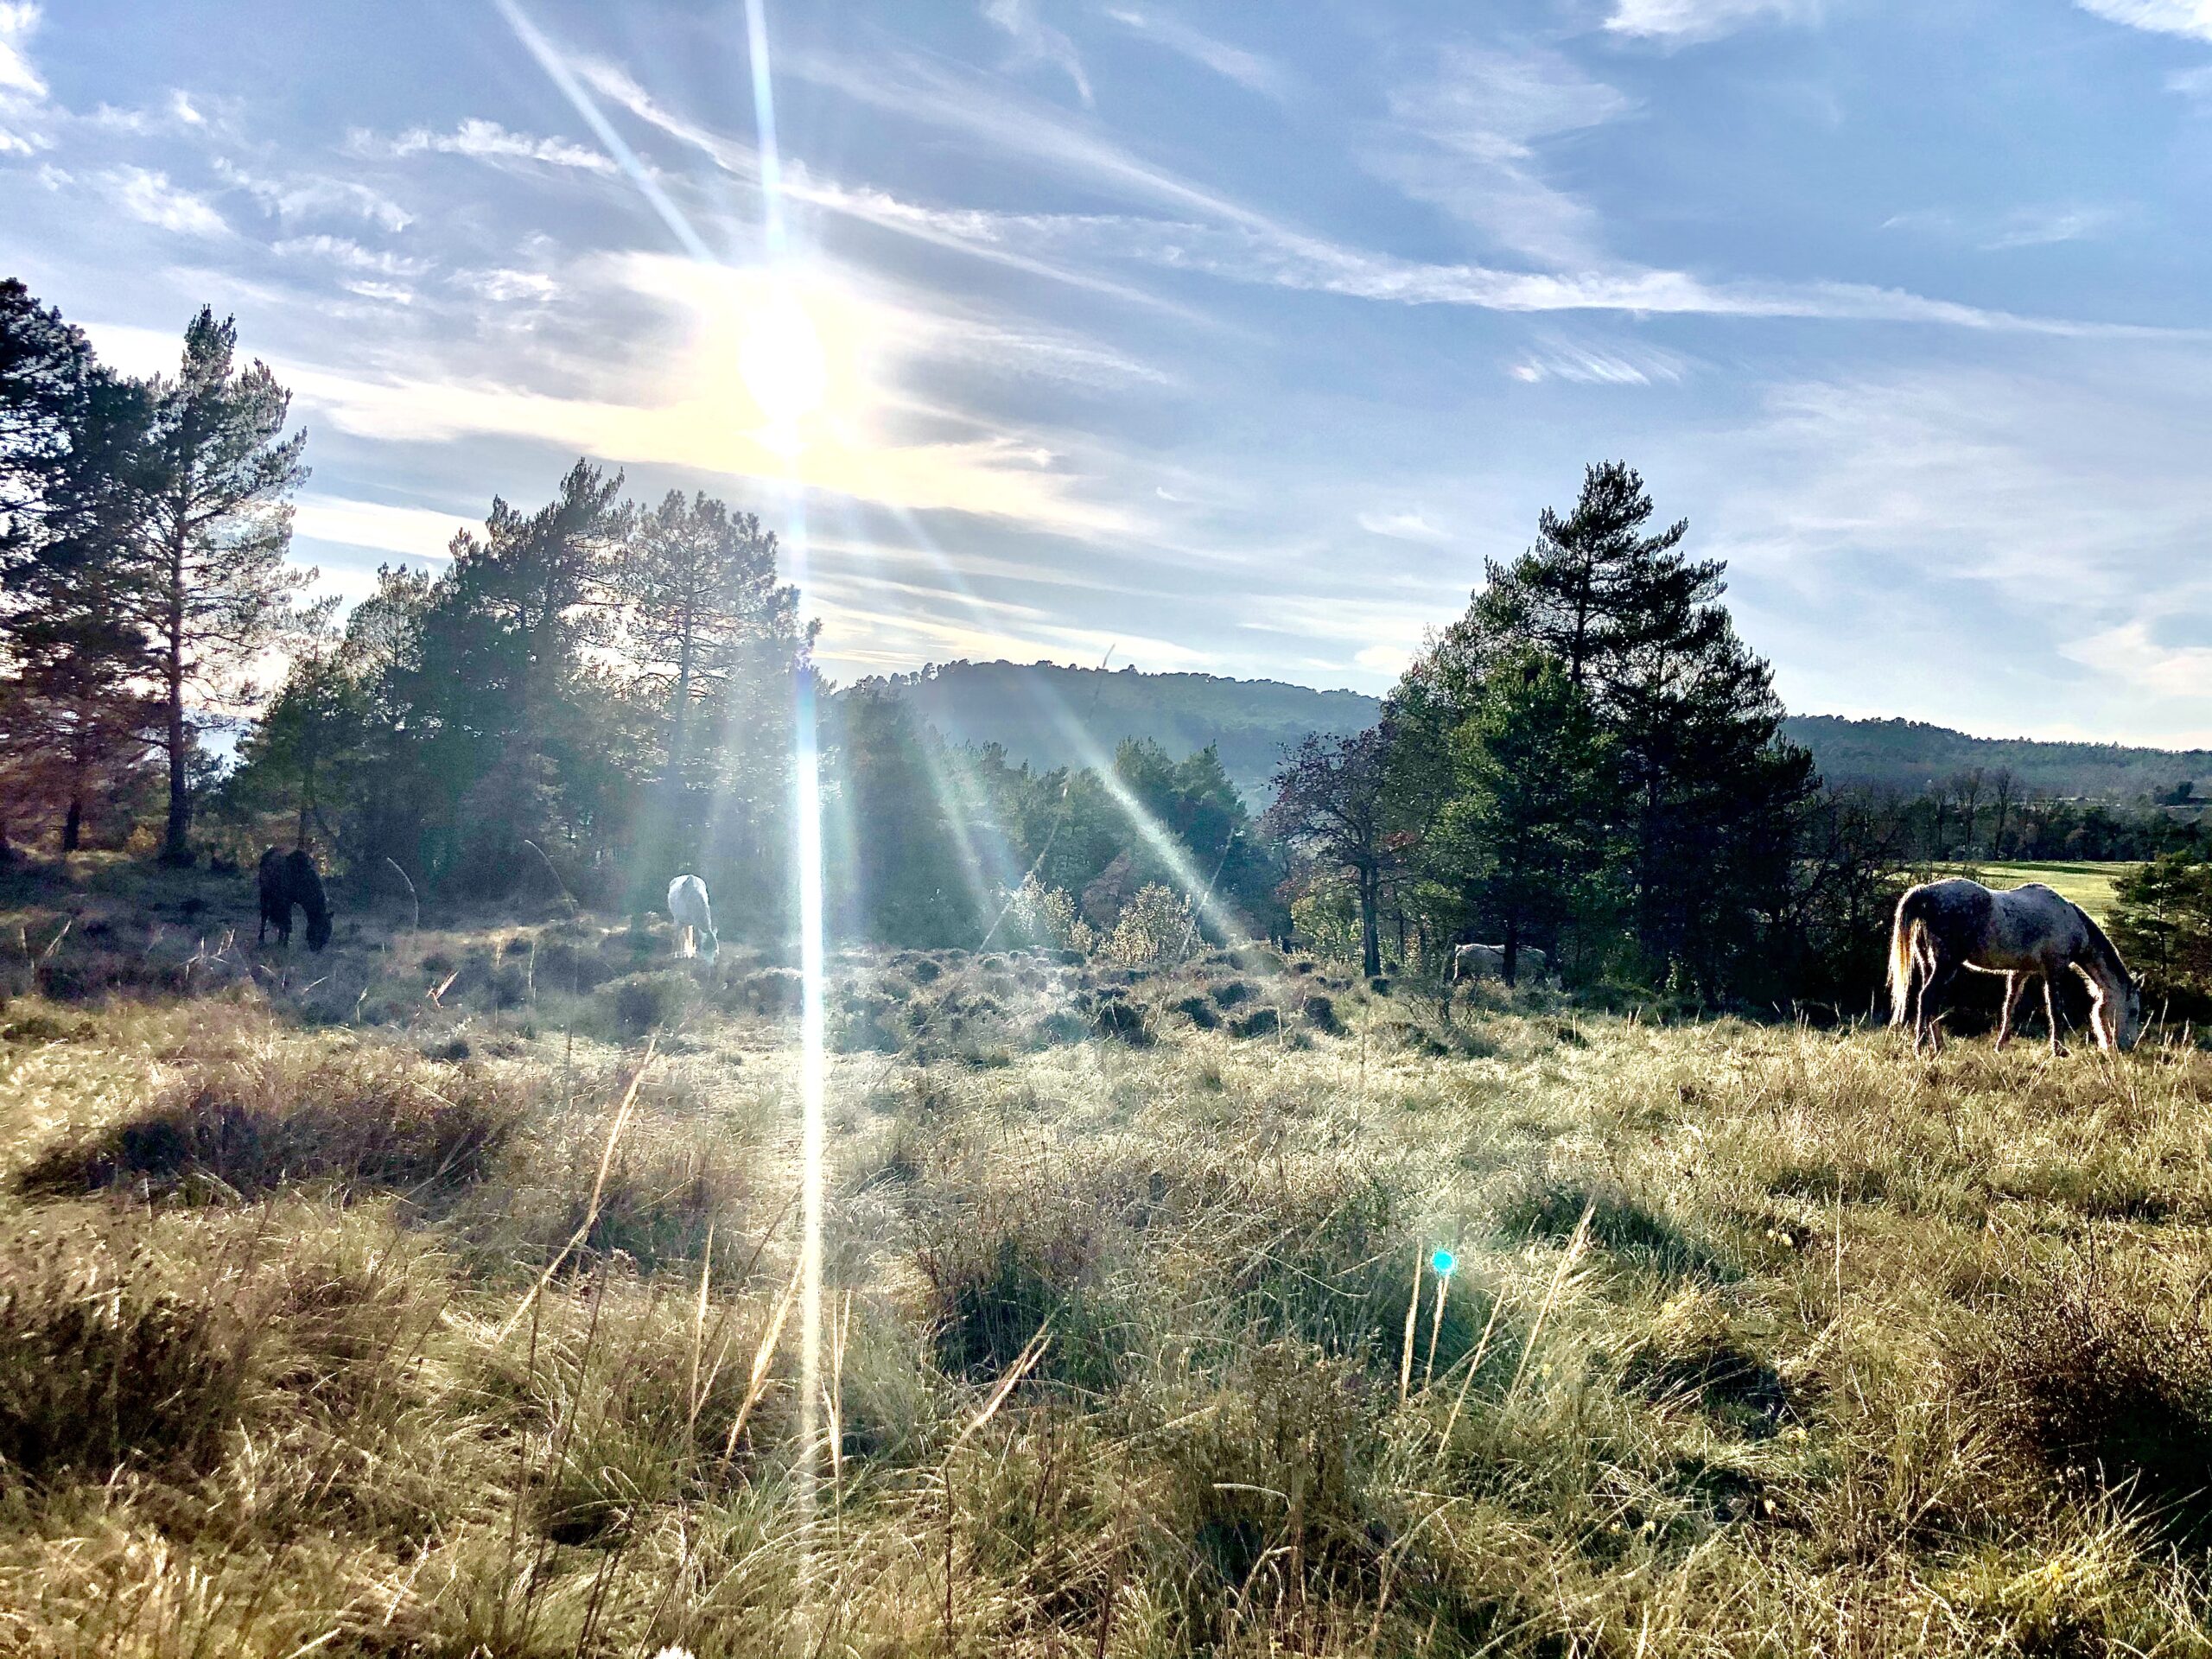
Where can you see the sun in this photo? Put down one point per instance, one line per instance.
(782, 362)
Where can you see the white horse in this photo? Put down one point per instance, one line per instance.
(1943, 927)
(693, 916)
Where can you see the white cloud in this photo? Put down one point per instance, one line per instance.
(2192, 18)
(1404, 526)
(507, 286)
(2034, 226)
(19, 20)
(1036, 41)
(415, 532)
(487, 141)
(1224, 237)
(181, 107)
(2130, 654)
(310, 195)
(1682, 21)
(24, 107)
(1248, 69)
(1466, 141)
(151, 197)
(350, 256)
(1565, 359)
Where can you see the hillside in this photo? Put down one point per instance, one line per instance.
(1050, 715)
(1909, 755)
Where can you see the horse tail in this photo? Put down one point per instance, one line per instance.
(1902, 932)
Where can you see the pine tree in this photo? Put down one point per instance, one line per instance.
(708, 624)
(1707, 794)
(76, 721)
(1526, 827)
(214, 592)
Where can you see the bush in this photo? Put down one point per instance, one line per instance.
(1119, 1018)
(1199, 1011)
(1155, 926)
(2108, 1387)
(639, 1003)
(1258, 1023)
(371, 1117)
(101, 1366)
(1321, 1013)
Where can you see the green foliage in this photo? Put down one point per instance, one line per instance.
(1155, 928)
(2162, 922)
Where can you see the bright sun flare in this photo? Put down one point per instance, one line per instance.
(780, 358)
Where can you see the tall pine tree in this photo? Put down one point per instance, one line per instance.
(214, 592)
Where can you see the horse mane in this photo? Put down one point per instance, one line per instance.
(2106, 953)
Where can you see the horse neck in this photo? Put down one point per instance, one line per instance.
(2100, 960)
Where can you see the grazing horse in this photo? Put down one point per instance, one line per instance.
(1477, 961)
(1944, 926)
(693, 916)
(289, 878)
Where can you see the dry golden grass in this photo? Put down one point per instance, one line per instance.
(1761, 1339)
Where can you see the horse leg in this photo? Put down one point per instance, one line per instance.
(1923, 973)
(1937, 988)
(2050, 1014)
(2015, 983)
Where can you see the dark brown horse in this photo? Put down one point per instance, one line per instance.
(289, 878)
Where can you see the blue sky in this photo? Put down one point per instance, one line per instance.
(1231, 337)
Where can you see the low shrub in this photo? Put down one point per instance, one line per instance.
(637, 1003)
(100, 1365)
(2108, 1383)
(1258, 1023)
(372, 1116)
(1320, 1013)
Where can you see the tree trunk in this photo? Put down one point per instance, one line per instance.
(176, 845)
(1370, 935)
(72, 826)
(1510, 967)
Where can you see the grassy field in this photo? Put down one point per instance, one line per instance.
(2088, 885)
(435, 1296)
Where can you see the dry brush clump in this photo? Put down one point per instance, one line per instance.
(364, 1117)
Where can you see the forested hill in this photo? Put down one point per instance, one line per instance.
(1909, 756)
(1032, 708)
(1051, 716)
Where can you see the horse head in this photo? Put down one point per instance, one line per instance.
(2127, 1016)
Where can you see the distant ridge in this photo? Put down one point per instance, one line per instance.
(1910, 755)
(1052, 715)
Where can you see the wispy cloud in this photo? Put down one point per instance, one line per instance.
(1679, 22)
(1250, 70)
(151, 198)
(1464, 139)
(1585, 364)
(1226, 238)
(1036, 41)
(415, 532)
(23, 90)
(2036, 225)
(1404, 525)
(487, 141)
(310, 195)
(2192, 18)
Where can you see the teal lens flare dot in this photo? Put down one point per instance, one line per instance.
(1444, 1260)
